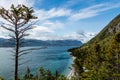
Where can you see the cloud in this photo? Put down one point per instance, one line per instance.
(45, 30)
(93, 11)
(52, 13)
(7, 3)
(53, 25)
(41, 29)
(4, 33)
(84, 37)
(50, 35)
(70, 3)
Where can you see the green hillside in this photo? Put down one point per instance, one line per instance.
(109, 30)
(99, 59)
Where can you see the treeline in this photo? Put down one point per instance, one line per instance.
(43, 74)
(99, 60)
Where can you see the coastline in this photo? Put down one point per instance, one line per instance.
(71, 73)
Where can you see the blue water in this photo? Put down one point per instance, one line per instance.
(52, 58)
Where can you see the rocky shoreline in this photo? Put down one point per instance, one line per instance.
(72, 72)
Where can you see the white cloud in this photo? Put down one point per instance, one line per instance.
(53, 25)
(7, 3)
(4, 33)
(49, 35)
(38, 32)
(93, 11)
(41, 29)
(70, 3)
(84, 37)
(45, 30)
(52, 13)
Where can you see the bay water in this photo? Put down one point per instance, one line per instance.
(52, 58)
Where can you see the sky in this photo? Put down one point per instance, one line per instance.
(67, 19)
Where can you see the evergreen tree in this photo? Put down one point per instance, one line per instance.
(18, 19)
(1, 78)
(56, 75)
(113, 57)
(28, 75)
(48, 75)
(41, 73)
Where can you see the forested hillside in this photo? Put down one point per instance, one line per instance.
(99, 59)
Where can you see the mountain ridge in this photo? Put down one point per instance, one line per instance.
(34, 42)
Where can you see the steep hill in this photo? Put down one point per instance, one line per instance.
(112, 28)
(99, 59)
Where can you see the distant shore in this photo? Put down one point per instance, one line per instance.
(72, 70)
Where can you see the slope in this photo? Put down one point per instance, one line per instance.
(99, 59)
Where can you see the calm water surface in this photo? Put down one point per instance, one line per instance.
(52, 58)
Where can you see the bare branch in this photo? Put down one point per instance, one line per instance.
(7, 24)
(28, 27)
(24, 53)
(9, 29)
(23, 35)
(24, 62)
(12, 36)
(21, 24)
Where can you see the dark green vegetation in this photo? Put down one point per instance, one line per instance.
(43, 74)
(1, 78)
(99, 59)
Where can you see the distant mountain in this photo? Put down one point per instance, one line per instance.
(99, 58)
(33, 42)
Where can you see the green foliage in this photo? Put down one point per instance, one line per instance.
(43, 74)
(105, 32)
(28, 75)
(1, 78)
(99, 59)
(62, 77)
(117, 37)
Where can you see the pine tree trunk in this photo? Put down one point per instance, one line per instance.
(16, 68)
(16, 53)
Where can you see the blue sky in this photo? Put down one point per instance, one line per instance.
(68, 19)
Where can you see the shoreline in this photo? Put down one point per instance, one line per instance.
(71, 73)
